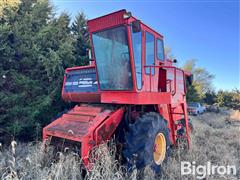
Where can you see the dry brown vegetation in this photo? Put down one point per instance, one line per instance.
(235, 115)
(214, 139)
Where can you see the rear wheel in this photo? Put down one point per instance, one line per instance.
(147, 142)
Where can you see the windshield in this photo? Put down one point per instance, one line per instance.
(193, 104)
(112, 59)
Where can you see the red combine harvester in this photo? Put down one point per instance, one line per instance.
(129, 90)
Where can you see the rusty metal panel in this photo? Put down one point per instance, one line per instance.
(74, 128)
(75, 122)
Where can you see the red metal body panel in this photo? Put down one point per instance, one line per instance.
(89, 125)
(106, 129)
(82, 97)
(107, 21)
(136, 98)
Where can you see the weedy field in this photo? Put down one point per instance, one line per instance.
(216, 138)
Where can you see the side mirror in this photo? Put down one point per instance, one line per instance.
(136, 26)
(90, 54)
(190, 79)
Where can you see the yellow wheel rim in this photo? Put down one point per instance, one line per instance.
(159, 148)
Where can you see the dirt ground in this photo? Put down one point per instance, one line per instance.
(215, 139)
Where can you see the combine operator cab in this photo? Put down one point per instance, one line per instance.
(128, 65)
(129, 80)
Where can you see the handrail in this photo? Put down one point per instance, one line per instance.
(168, 81)
(175, 76)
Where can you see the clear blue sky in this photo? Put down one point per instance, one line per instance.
(207, 31)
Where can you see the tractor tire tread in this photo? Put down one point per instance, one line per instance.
(140, 138)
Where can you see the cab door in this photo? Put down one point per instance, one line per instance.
(150, 73)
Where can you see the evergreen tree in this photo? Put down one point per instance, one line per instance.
(35, 48)
(79, 29)
(8, 4)
(229, 99)
(210, 97)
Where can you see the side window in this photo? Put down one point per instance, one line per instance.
(160, 50)
(149, 52)
(137, 54)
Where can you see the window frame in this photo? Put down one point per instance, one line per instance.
(142, 33)
(94, 55)
(154, 56)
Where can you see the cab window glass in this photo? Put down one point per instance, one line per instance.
(149, 52)
(160, 50)
(137, 53)
(112, 59)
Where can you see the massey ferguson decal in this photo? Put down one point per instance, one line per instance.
(86, 82)
(83, 80)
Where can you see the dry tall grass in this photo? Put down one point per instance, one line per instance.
(235, 115)
(212, 140)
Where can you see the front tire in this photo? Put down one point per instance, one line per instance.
(147, 142)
